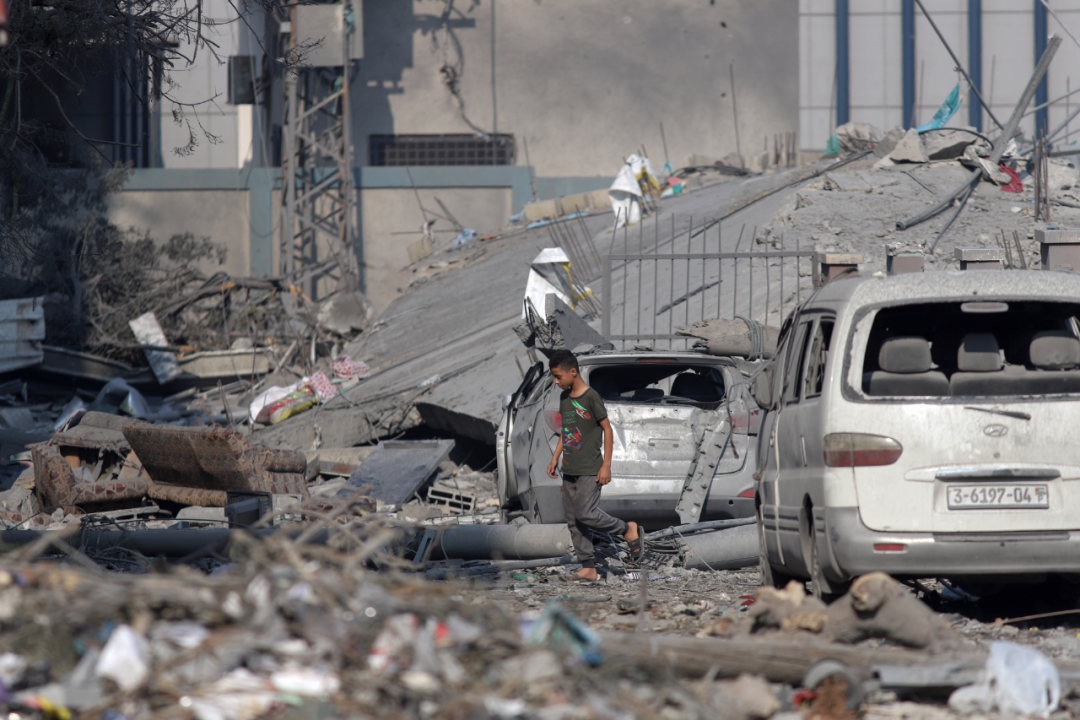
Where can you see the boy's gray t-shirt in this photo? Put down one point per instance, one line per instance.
(582, 436)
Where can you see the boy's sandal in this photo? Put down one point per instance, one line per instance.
(637, 546)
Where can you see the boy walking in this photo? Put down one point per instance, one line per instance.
(584, 470)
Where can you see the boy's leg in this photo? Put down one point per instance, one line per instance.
(588, 512)
(583, 546)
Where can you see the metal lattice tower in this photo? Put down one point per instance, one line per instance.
(318, 216)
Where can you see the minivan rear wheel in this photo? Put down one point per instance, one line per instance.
(825, 589)
(770, 575)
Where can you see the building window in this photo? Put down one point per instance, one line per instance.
(416, 150)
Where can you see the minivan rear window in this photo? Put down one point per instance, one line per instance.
(674, 383)
(969, 349)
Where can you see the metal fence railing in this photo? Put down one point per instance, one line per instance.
(646, 296)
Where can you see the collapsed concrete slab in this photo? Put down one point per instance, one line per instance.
(561, 329)
(196, 466)
(908, 149)
(396, 470)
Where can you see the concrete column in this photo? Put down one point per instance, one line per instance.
(829, 265)
(980, 258)
(1059, 249)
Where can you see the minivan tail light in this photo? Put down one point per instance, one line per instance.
(860, 450)
(747, 493)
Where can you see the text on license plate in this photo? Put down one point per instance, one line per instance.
(965, 497)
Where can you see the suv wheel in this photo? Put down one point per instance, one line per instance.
(770, 575)
(825, 589)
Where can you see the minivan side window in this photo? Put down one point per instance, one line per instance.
(819, 355)
(795, 363)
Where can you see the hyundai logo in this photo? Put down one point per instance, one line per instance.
(996, 430)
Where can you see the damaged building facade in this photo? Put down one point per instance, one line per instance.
(437, 80)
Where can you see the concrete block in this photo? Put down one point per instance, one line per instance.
(1059, 249)
(886, 144)
(542, 209)
(946, 144)
(830, 265)
(575, 203)
(980, 258)
(909, 149)
(758, 162)
(695, 160)
(904, 263)
(600, 199)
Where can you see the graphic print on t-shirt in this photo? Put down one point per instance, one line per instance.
(571, 433)
(581, 433)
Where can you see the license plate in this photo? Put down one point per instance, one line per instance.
(997, 497)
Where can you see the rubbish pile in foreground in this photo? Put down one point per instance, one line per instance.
(334, 630)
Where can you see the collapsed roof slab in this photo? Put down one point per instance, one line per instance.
(444, 352)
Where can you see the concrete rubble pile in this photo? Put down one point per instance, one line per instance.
(335, 630)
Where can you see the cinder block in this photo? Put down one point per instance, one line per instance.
(902, 263)
(542, 209)
(1059, 249)
(830, 265)
(600, 199)
(574, 203)
(980, 258)
(758, 163)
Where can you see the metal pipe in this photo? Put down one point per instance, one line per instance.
(907, 45)
(1025, 99)
(1041, 93)
(843, 64)
(975, 59)
(939, 207)
(151, 543)
(697, 527)
(728, 549)
(959, 65)
(505, 542)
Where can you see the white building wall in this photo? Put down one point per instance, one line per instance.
(225, 135)
(1065, 72)
(876, 90)
(817, 72)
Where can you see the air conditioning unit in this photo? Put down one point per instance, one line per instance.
(241, 79)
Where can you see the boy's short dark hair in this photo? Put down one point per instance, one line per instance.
(562, 359)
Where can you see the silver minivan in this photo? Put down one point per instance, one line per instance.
(924, 425)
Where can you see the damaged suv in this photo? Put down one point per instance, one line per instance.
(922, 425)
(683, 448)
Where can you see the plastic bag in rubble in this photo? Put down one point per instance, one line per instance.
(626, 191)
(1019, 681)
(558, 629)
(118, 396)
(388, 652)
(307, 682)
(240, 695)
(323, 387)
(125, 659)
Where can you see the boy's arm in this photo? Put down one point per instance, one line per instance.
(604, 476)
(553, 466)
